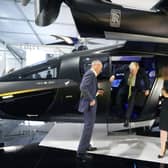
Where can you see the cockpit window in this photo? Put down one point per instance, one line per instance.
(49, 73)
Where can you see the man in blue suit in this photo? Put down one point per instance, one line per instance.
(88, 106)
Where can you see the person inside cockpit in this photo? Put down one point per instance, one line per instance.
(49, 75)
(130, 85)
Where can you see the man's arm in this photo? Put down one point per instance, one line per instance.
(146, 82)
(164, 93)
(86, 82)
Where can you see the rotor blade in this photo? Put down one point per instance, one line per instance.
(60, 43)
(66, 39)
(93, 43)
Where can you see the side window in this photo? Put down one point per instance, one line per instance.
(50, 73)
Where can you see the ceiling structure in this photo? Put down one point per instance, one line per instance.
(18, 25)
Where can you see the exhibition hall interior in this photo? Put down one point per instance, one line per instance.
(84, 83)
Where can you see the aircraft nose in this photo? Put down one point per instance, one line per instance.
(46, 11)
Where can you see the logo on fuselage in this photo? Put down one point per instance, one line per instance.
(115, 18)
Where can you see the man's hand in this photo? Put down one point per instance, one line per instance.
(100, 92)
(164, 93)
(92, 103)
(146, 92)
(112, 78)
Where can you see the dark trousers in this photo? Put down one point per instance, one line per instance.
(89, 120)
(122, 98)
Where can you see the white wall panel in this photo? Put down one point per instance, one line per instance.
(28, 10)
(65, 15)
(13, 38)
(8, 9)
(14, 26)
(58, 29)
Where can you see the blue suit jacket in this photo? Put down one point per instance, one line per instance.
(88, 88)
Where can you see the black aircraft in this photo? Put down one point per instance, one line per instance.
(50, 90)
(104, 19)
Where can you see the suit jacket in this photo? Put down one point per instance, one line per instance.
(88, 88)
(142, 80)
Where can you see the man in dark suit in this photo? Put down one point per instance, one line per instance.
(87, 106)
(131, 84)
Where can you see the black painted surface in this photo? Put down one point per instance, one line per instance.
(34, 156)
(94, 17)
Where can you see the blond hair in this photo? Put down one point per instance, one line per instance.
(133, 63)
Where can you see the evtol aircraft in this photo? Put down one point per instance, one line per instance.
(50, 90)
(104, 19)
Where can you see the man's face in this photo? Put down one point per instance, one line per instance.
(98, 68)
(133, 69)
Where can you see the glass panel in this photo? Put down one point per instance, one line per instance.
(49, 73)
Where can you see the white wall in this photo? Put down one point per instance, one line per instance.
(11, 62)
(35, 54)
(7, 61)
